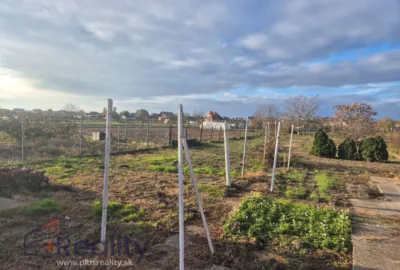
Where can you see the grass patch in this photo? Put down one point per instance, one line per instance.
(163, 168)
(213, 191)
(297, 175)
(327, 183)
(43, 206)
(267, 220)
(296, 193)
(124, 213)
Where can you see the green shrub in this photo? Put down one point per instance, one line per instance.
(348, 150)
(297, 193)
(266, 219)
(43, 206)
(374, 149)
(322, 145)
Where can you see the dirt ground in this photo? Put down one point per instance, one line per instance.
(148, 182)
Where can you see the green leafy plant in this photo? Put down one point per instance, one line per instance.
(266, 220)
(296, 193)
(322, 145)
(374, 149)
(348, 150)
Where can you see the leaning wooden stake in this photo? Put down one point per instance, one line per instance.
(106, 169)
(290, 148)
(196, 190)
(275, 156)
(227, 156)
(244, 150)
(180, 178)
(265, 142)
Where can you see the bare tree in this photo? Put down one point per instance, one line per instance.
(266, 112)
(301, 110)
(71, 110)
(356, 120)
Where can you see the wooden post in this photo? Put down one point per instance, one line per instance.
(196, 190)
(170, 135)
(80, 138)
(126, 131)
(265, 143)
(275, 156)
(212, 129)
(147, 134)
(244, 150)
(201, 132)
(227, 156)
(106, 172)
(180, 180)
(219, 134)
(23, 139)
(118, 135)
(290, 147)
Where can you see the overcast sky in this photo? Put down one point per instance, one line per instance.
(226, 56)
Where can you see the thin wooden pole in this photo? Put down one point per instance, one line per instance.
(227, 156)
(147, 134)
(23, 138)
(106, 172)
(181, 205)
(290, 148)
(275, 156)
(198, 198)
(80, 138)
(244, 150)
(265, 143)
(201, 132)
(126, 131)
(118, 134)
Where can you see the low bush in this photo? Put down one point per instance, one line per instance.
(265, 219)
(374, 149)
(16, 179)
(348, 150)
(322, 145)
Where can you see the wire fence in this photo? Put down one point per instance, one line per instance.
(26, 140)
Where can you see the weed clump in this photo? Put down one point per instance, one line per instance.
(322, 145)
(124, 213)
(265, 219)
(374, 149)
(296, 193)
(43, 206)
(326, 184)
(348, 150)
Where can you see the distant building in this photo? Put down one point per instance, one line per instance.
(128, 117)
(213, 116)
(165, 115)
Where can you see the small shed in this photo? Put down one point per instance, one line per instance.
(99, 136)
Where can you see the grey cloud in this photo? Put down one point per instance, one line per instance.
(179, 47)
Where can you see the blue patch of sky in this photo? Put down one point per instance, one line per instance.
(355, 54)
